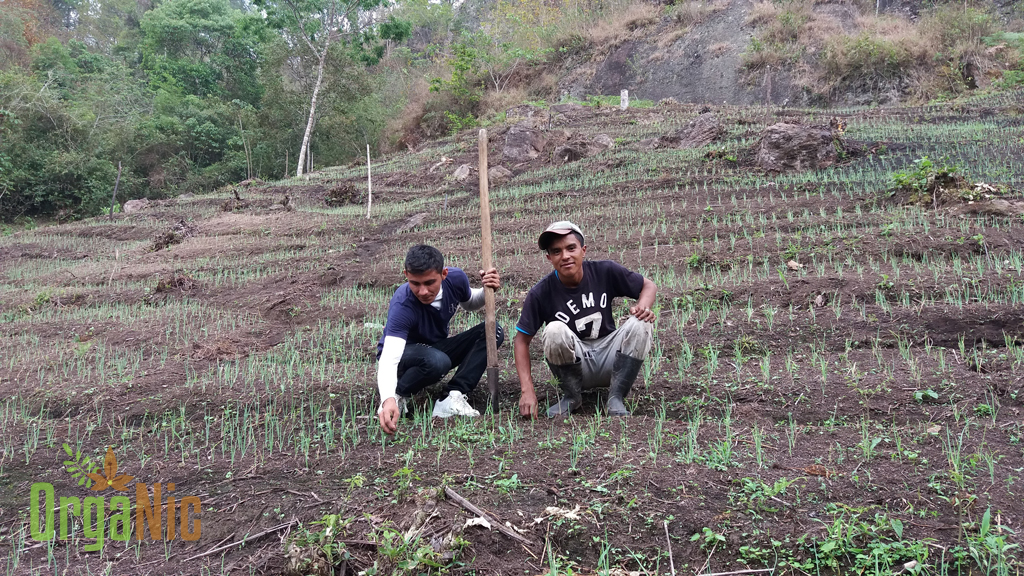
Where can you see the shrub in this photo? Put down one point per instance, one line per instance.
(865, 59)
(762, 54)
(952, 25)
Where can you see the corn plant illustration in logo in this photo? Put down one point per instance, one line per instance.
(111, 479)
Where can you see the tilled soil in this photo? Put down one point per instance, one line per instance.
(853, 412)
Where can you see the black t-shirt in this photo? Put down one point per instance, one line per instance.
(587, 308)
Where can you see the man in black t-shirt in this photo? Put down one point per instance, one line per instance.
(581, 344)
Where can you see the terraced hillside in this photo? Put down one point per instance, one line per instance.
(835, 386)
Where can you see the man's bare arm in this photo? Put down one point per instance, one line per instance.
(642, 309)
(527, 395)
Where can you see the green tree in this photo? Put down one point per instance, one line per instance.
(315, 26)
(202, 48)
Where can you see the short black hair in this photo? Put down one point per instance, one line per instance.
(579, 238)
(422, 258)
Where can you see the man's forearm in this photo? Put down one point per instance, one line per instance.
(647, 294)
(387, 367)
(523, 365)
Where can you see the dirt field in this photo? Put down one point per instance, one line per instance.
(835, 386)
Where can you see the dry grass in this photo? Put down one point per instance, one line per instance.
(942, 52)
(899, 32)
(493, 103)
(620, 24)
(819, 29)
(762, 13)
(666, 40)
(401, 131)
(719, 48)
(688, 13)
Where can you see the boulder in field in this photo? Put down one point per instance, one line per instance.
(523, 143)
(582, 147)
(794, 147)
(135, 205)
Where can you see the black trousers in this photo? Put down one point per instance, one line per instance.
(423, 365)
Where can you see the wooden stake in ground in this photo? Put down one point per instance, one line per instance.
(485, 230)
(369, 184)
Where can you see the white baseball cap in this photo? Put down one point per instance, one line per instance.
(560, 228)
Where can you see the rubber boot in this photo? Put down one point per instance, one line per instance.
(624, 373)
(570, 380)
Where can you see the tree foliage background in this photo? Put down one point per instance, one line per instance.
(190, 95)
(186, 95)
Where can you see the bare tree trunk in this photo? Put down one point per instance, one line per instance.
(113, 197)
(312, 111)
(245, 146)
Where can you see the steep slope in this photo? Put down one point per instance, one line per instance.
(699, 66)
(745, 52)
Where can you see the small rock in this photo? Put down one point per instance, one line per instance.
(498, 175)
(997, 207)
(135, 205)
(462, 173)
(794, 265)
(603, 141)
(250, 182)
(819, 300)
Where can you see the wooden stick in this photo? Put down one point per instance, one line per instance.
(485, 232)
(369, 184)
(244, 540)
(741, 572)
(494, 521)
(671, 562)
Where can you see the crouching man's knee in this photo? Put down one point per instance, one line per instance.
(559, 343)
(637, 337)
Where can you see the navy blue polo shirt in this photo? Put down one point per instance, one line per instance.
(419, 323)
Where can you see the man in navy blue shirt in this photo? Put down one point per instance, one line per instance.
(582, 347)
(415, 350)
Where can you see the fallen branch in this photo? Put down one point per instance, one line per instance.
(216, 549)
(494, 521)
(671, 562)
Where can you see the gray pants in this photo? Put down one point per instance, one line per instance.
(562, 346)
